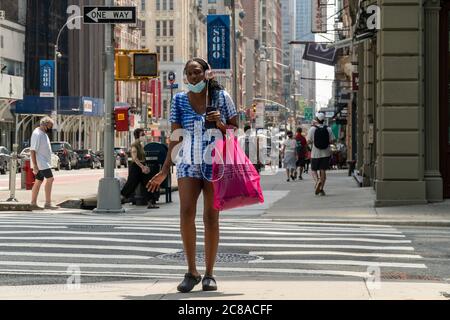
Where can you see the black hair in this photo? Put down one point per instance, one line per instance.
(137, 133)
(289, 133)
(247, 127)
(299, 130)
(213, 86)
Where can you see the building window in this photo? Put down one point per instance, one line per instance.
(212, 11)
(164, 53)
(158, 5)
(1, 42)
(171, 5)
(171, 28)
(164, 28)
(143, 5)
(158, 28)
(158, 52)
(164, 78)
(164, 5)
(212, 1)
(171, 54)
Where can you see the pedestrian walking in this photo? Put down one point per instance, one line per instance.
(138, 172)
(41, 159)
(307, 158)
(300, 149)
(251, 148)
(206, 105)
(320, 137)
(290, 156)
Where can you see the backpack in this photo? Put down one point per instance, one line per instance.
(298, 147)
(321, 138)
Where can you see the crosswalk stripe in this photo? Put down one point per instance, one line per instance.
(334, 253)
(123, 240)
(31, 226)
(73, 255)
(223, 244)
(202, 237)
(96, 247)
(345, 263)
(176, 222)
(91, 274)
(170, 267)
(252, 228)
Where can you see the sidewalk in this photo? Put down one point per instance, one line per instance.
(346, 202)
(291, 201)
(84, 185)
(235, 289)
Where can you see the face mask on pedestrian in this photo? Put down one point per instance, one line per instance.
(196, 88)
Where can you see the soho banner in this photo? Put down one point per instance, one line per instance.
(219, 44)
(47, 78)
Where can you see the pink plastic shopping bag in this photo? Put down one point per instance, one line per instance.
(235, 180)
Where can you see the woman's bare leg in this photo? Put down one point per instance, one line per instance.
(211, 221)
(189, 190)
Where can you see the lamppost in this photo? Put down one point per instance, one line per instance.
(56, 55)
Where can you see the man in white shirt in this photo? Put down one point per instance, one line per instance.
(320, 136)
(41, 158)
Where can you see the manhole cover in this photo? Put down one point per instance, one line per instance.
(406, 276)
(221, 257)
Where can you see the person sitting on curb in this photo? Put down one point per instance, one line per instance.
(138, 172)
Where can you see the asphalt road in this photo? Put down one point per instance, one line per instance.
(50, 249)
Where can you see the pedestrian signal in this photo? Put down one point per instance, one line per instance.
(149, 112)
(145, 65)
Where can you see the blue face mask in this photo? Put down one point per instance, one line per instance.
(197, 88)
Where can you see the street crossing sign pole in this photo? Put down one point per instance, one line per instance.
(108, 198)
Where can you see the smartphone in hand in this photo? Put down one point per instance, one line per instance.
(210, 124)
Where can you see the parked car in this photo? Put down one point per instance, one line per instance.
(88, 159)
(68, 158)
(101, 157)
(26, 154)
(122, 153)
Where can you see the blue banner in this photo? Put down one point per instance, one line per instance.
(219, 42)
(47, 78)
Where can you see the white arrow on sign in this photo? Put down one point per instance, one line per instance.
(105, 15)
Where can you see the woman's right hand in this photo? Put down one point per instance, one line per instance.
(155, 183)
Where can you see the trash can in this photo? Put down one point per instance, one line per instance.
(155, 155)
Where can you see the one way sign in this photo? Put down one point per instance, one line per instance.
(109, 15)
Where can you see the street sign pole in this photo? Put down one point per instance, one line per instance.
(108, 199)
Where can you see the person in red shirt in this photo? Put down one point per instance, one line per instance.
(301, 152)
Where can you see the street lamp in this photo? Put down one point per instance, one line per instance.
(56, 55)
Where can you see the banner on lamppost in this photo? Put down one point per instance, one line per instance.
(219, 43)
(47, 78)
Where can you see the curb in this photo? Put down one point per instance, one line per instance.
(91, 202)
(416, 223)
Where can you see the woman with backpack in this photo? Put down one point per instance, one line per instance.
(320, 137)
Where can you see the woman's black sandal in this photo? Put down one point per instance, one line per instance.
(189, 282)
(209, 283)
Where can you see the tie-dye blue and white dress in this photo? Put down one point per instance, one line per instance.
(190, 160)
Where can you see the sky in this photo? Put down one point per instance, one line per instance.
(324, 88)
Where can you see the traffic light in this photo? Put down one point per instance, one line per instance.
(254, 108)
(122, 66)
(145, 65)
